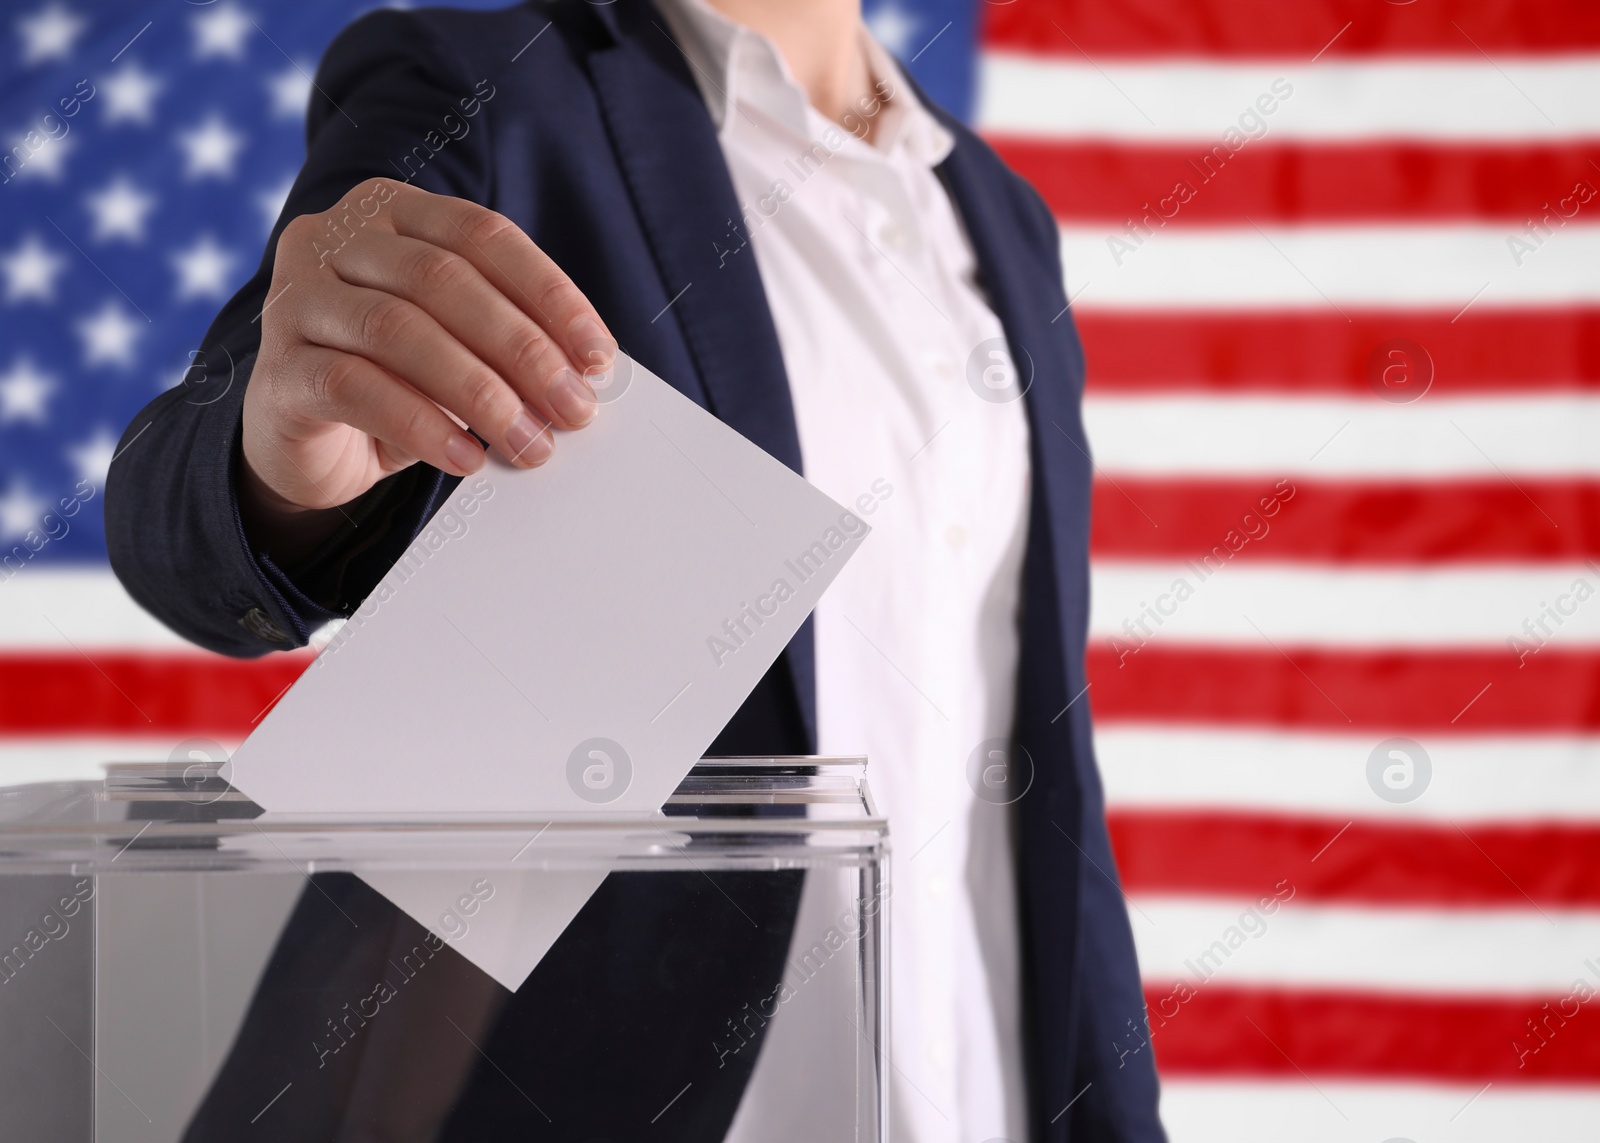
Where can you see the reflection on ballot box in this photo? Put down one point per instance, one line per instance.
(176, 965)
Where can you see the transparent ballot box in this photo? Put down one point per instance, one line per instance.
(177, 966)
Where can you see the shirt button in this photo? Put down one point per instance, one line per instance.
(944, 370)
(956, 536)
(895, 237)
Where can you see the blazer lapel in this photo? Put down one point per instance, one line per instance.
(670, 156)
(1029, 301)
(1023, 299)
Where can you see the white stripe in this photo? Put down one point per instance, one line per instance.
(1444, 952)
(53, 608)
(1333, 268)
(25, 761)
(1546, 97)
(1483, 778)
(1272, 1111)
(1272, 437)
(1287, 605)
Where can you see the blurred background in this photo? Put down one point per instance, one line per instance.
(1336, 267)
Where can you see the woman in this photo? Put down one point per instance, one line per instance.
(753, 200)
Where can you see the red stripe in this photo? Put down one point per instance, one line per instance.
(1410, 691)
(1486, 350)
(1222, 1031)
(119, 693)
(1334, 860)
(1433, 522)
(1415, 690)
(1271, 28)
(1114, 183)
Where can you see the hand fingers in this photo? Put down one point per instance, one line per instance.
(508, 259)
(352, 390)
(451, 290)
(406, 341)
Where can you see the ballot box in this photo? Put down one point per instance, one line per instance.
(177, 965)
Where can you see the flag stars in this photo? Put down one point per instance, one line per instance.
(129, 95)
(120, 210)
(93, 457)
(211, 149)
(290, 91)
(46, 155)
(20, 511)
(893, 27)
(31, 271)
(203, 270)
(221, 32)
(23, 393)
(270, 201)
(50, 33)
(108, 336)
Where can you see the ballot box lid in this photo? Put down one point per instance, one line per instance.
(727, 813)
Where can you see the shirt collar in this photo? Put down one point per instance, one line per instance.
(747, 85)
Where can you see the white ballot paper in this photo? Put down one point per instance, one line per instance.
(567, 638)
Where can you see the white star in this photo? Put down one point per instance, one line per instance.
(23, 392)
(92, 458)
(108, 336)
(130, 94)
(221, 32)
(31, 271)
(291, 91)
(50, 33)
(893, 26)
(211, 148)
(203, 269)
(20, 511)
(270, 201)
(119, 210)
(43, 156)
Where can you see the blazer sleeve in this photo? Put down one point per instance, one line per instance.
(379, 108)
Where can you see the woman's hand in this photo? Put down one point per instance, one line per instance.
(392, 320)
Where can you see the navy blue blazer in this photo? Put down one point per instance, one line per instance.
(589, 132)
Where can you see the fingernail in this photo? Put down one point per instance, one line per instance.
(464, 454)
(592, 341)
(572, 399)
(529, 441)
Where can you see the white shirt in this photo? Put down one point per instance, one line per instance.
(885, 337)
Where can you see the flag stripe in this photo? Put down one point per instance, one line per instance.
(1270, 1110)
(1465, 97)
(1451, 691)
(44, 693)
(1325, 268)
(1276, 1032)
(1265, 605)
(1115, 183)
(1488, 349)
(1534, 951)
(1224, 28)
(1474, 778)
(1541, 435)
(26, 759)
(1338, 860)
(115, 692)
(1389, 522)
(63, 605)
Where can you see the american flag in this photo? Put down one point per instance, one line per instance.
(1336, 268)
(1335, 265)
